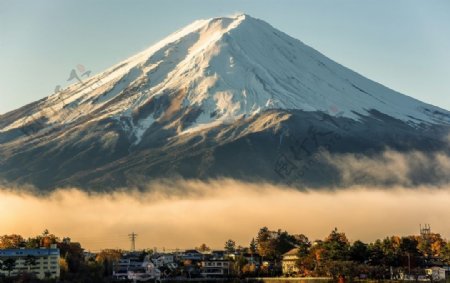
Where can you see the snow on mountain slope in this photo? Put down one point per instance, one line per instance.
(224, 97)
(225, 68)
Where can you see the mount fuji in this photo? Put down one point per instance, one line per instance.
(224, 97)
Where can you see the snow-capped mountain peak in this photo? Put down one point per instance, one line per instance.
(223, 69)
(223, 97)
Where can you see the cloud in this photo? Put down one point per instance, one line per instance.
(184, 214)
(407, 169)
(380, 195)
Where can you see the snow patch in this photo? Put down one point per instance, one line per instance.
(141, 127)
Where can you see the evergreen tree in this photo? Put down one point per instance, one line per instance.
(230, 246)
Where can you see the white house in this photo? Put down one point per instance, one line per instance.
(289, 262)
(215, 268)
(436, 273)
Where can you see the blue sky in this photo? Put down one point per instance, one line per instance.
(403, 44)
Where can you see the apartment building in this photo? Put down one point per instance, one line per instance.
(43, 262)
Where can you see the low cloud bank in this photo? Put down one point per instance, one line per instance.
(393, 168)
(183, 214)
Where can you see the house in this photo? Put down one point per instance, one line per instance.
(193, 255)
(217, 254)
(160, 260)
(215, 268)
(289, 262)
(42, 262)
(436, 273)
(124, 266)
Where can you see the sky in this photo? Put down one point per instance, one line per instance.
(402, 44)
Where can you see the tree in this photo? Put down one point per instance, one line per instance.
(30, 260)
(12, 241)
(230, 246)
(336, 246)
(48, 239)
(264, 244)
(74, 257)
(359, 252)
(408, 247)
(430, 244)
(445, 253)
(239, 264)
(108, 258)
(203, 248)
(305, 262)
(391, 251)
(376, 254)
(272, 244)
(303, 244)
(8, 265)
(252, 246)
(33, 243)
(284, 242)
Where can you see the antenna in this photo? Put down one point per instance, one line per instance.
(425, 231)
(133, 237)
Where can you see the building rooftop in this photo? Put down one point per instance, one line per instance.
(25, 252)
(294, 251)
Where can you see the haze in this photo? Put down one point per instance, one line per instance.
(213, 212)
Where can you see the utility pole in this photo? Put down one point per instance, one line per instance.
(409, 264)
(132, 237)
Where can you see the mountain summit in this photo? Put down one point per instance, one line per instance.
(223, 97)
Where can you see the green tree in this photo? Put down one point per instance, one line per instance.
(273, 244)
(376, 254)
(408, 247)
(391, 251)
(359, 252)
(253, 246)
(230, 246)
(445, 253)
(8, 265)
(336, 246)
(303, 244)
(283, 242)
(74, 257)
(33, 243)
(264, 242)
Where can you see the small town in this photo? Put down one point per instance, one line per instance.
(271, 255)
